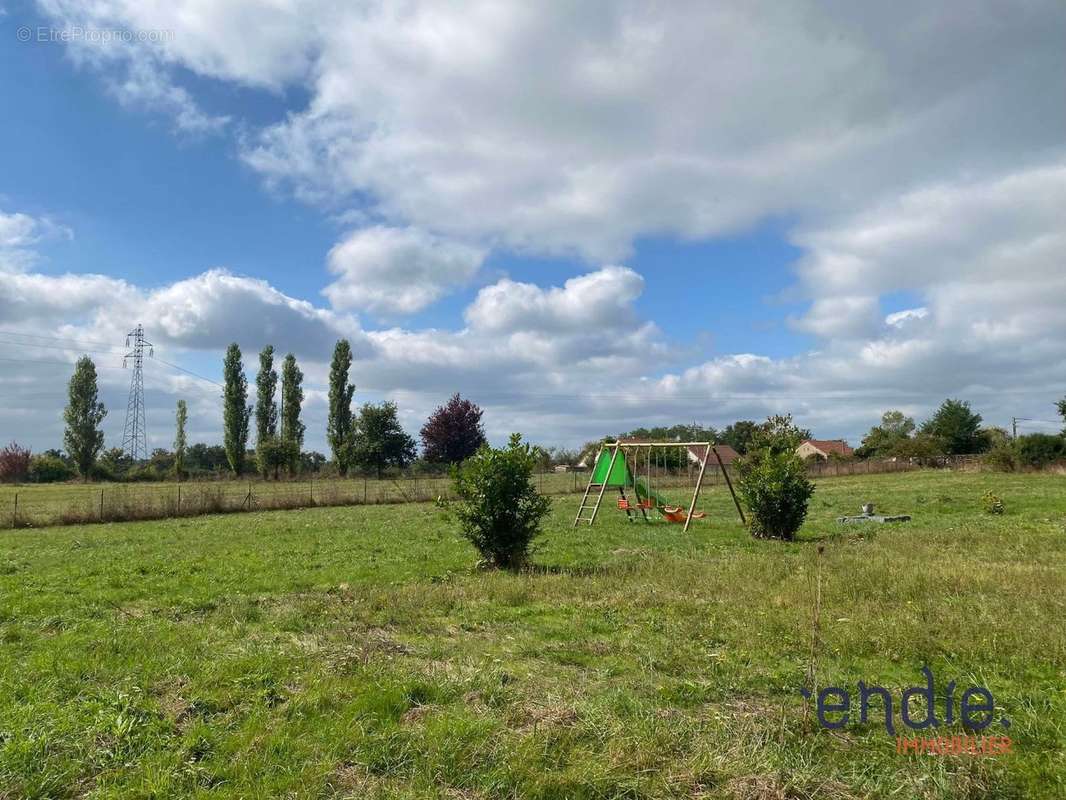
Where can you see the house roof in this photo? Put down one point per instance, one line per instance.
(828, 446)
(728, 454)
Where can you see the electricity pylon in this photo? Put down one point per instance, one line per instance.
(135, 434)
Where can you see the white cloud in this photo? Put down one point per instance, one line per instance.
(19, 232)
(915, 150)
(143, 86)
(847, 316)
(557, 128)
(397, 270)
(901, 319)
(599, 301)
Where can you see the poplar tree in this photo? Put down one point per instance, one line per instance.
(339, 426)
(236, 413)
(292, 397)
(83, 438)
(266, 408)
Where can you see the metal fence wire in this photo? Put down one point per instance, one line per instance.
(70, 504)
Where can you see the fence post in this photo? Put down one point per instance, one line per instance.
(15, 513)
(179, 498)
(101, 505)
(364, 490)
(312, 491)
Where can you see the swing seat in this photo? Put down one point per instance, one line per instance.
(623, 504)
(678, 514)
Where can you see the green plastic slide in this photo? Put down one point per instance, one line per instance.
(643, 492)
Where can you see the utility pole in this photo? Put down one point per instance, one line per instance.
(1014, 425)
(135, 432)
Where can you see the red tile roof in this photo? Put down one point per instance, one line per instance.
(728, 454)
(829, 446)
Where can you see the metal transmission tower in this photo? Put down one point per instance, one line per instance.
(135, 434)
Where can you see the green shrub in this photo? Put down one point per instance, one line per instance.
(991, 504)
(101, 471)
(47, 468)
(1040, 449)
(275, 453)
(772, 481)
(1002, 457)
(499, 508)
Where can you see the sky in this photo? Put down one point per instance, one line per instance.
(587, 217)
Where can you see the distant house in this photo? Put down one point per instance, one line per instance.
(823, 448)
(562, 467)
(725, 452)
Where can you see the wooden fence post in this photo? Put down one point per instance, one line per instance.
(364, 490)
(312, 491)
(101, 505)
(15, 513)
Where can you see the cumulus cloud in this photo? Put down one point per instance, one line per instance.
(557, 128)
(847, 316)
(600, 300)
(397, 270)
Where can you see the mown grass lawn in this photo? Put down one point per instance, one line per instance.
(356, 652)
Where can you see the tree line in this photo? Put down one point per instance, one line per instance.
(956, 429)
(370, 438)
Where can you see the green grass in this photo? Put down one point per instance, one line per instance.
(38, 505)
(355, 652)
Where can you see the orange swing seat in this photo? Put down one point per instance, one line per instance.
(678, 514)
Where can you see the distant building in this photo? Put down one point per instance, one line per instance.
(725, 452)
(562, 467)
(823, 448)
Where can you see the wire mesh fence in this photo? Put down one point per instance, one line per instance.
(70, 504)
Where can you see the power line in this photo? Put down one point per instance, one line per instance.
(80, 348)
(55, 338)
(63, 347)
(188, 372)
(41, 361)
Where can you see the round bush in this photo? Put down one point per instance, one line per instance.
(499, 508)
(772, 481)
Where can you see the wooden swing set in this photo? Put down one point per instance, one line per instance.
(618, 465)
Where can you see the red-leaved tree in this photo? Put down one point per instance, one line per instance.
(14, 464)
(453, 432)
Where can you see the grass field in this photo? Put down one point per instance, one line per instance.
(356, 652)
(39, 505)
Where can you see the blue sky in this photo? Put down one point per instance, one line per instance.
(705, 249)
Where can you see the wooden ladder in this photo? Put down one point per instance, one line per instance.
(592, 508)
